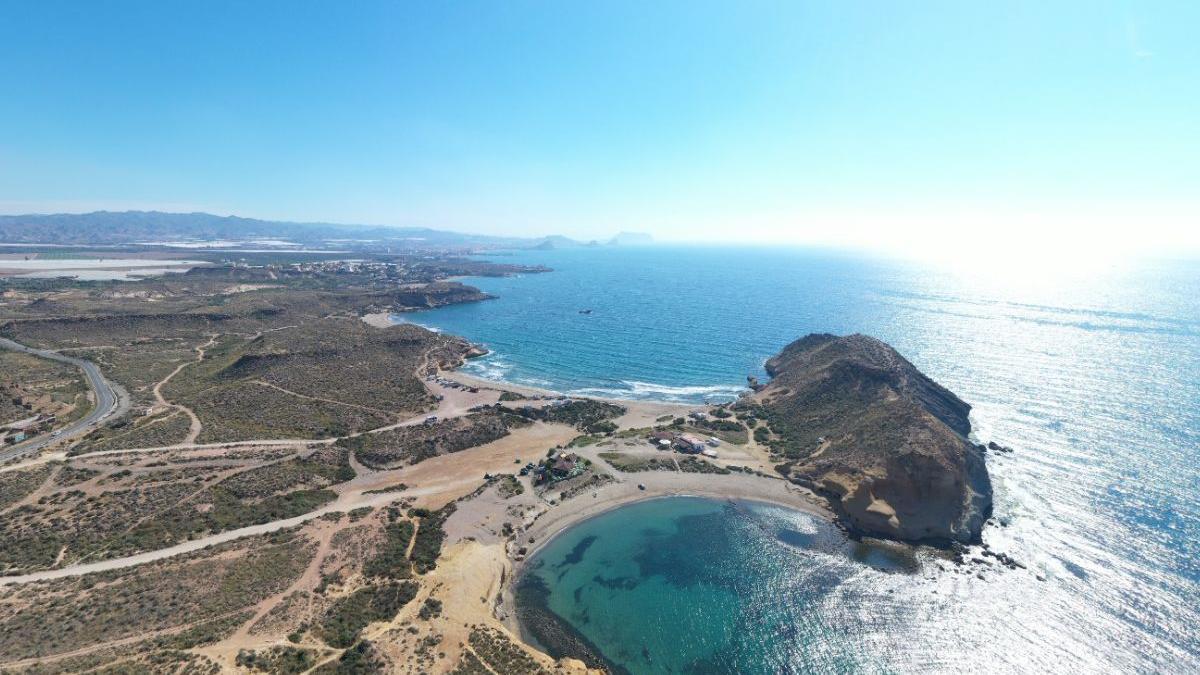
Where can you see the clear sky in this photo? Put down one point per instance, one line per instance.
(899, 124)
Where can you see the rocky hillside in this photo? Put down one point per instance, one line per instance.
(887, 445)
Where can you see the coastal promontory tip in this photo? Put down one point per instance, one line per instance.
(884, 443)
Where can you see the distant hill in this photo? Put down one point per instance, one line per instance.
(556, 241)
(128, 227)
(631, 239)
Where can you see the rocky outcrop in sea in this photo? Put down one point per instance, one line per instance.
(885, 444)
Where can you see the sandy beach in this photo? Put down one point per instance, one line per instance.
(481, 565)
(378, 319)
(475, 531)
(547, 516)
(660, 484)
(491, 535)
(639, 413)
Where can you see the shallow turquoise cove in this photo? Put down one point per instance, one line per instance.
(686, 584)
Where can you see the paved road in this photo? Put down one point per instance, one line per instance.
(108, 400)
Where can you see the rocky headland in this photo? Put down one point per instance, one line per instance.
(886, 445)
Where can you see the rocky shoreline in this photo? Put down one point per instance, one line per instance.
(540, 627)
(849, 419)
(886, 445)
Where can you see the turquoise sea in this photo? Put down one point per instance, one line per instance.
(1092, 376)
(691, 585)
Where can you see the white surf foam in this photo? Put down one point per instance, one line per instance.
(399, 319)
(491, 367)
(636, 390)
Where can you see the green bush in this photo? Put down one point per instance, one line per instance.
(286, 660)
(602, 427)
(431, 608)
(340, 625)
(581, 414)
(389, 560)
(430, 535)
(362, 659)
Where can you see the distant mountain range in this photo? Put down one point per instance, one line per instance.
(134, 227)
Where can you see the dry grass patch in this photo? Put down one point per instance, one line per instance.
(17, 485)
(42, 619)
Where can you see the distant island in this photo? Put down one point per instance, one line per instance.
(631, 239)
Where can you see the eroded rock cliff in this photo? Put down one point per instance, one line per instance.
(884, 443)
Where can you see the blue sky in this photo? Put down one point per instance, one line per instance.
(850, 123)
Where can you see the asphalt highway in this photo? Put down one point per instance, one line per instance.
(107, 401)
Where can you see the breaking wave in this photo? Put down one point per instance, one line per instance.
(632, 389)
(489, 367)
(399, 319)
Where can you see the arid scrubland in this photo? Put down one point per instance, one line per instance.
(296, 489)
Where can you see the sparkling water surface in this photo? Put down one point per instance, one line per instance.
(691, 585)
(1093, 378)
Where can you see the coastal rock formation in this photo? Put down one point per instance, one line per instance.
(437, 294)
(885, 444)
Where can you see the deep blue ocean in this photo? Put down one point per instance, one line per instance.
(1093, 377)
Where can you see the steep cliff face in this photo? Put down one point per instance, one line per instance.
(884, 443)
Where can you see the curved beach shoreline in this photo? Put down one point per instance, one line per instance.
(630, 488)
(557, 520)
(557, 516)
(752, 477)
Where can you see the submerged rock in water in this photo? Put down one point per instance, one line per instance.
(884, 443)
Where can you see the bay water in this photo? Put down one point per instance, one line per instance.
(1093, 376)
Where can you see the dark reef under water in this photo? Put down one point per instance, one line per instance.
(690, 585)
